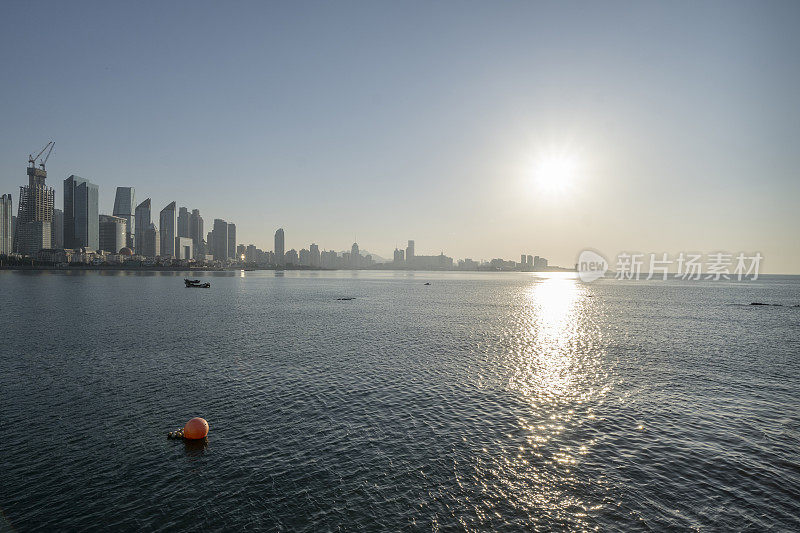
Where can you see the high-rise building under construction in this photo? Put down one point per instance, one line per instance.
(33, 231)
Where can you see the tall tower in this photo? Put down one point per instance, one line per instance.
(355, 256)
(81, 217)
(33, 230)
(6, 237)
(196, 232)
(410, 254)
(168, 221)
(143, 221)
(183, 222)
(220, 240)
(232, 242)
(124, 203)
(280, 257)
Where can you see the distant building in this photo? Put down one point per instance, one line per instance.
(399, 256)
(434, 262)
(113, 233)
(169, 222)
(81, 217)
(305, 257)
(291, 257)
(314, 257)
(143, 221)
(220, 239)
(279, 247)
(184, 248)
(150, 242)
(196, 231)
(355, 256)
(124, 203)
(183, 222)
(210, 243)
(34, 225)
(232, 241)
(6, 232)
(410, 254)
(57, 235)
(539, 263)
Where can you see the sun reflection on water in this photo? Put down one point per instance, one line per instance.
(556, 366)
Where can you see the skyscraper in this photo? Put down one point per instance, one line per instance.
(113, 233)
(313, 251)
(232, 242)
(183, 222)
(124, 203)
(398, 256)
(220, 239)
(6, 236)
(410, 254)
(150, 243)
(355, 256)
(280, 258)
(143, 222)
(34, 226)
(196, 232)
(81, 217)
(57, 235)
(168, 220)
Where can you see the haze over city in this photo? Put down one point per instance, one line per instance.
(478, 129)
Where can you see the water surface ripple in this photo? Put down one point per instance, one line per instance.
(481, 402)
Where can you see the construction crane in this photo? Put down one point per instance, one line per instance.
(32, 160)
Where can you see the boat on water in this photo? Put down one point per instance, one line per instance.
(196, 284)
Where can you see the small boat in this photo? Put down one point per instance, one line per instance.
(428, 283)
(196, 283)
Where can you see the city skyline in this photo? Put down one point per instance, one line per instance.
(681, 123)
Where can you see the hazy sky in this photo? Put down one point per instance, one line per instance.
(392, 121)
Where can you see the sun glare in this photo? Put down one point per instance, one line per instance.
(555, 172)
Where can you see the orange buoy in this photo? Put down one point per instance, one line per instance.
(196, 428)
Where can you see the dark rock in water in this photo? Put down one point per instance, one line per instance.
(349, 298)
(427, 283)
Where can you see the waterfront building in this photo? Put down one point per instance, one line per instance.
(291, 257)
(34, 225)
(81, 217)
(305, 257)
(355, 256)
(150, 242)
(434, 262)
(399, 256)
(314, 257)
(279, 247)
(57, 234)
(183, 222)
(184, 248)
(6, 217)
(142, 220)
(410, 254)
(168, 219)
(196, 231)
(220, 240)
(113, 233)
(251, 253)
(124, 202)
(232, 242)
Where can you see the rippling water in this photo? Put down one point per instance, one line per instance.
(482, 401)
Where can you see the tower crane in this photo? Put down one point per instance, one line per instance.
(32, 160)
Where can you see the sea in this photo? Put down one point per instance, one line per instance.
(481, 402)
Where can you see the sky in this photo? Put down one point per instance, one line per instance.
(673, 126)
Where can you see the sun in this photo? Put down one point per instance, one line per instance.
(555, 172)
